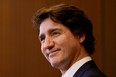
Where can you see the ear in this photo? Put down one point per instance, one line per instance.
(82, 38)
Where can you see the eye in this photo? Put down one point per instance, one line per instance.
(42, 38)
(56, 33)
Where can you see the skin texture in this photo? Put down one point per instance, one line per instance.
(60, 47)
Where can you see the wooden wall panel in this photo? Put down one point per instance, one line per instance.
(110, 37)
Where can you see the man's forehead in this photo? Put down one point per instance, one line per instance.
(49, 30)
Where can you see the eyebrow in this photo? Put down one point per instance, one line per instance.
(55, 29)
(49, 31)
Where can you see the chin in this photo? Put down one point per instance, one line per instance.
(55, 64)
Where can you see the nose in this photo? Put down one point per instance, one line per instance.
(49, 43)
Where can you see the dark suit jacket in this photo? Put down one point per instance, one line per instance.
(89, 69)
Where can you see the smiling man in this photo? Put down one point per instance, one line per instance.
(67, 40)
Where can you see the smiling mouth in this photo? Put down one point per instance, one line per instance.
(53, 53)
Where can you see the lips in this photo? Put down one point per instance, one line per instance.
(52, 53)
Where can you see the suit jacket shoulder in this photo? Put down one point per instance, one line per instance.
(89, 69)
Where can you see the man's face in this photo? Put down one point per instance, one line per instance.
(58, 44)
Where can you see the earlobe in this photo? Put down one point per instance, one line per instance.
(82, 38)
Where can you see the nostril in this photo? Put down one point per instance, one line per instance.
(49, 45)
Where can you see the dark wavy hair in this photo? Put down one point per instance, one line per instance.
(72, 18)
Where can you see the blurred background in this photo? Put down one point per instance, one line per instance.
(20, 54)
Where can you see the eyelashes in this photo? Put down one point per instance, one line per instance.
(51, 34)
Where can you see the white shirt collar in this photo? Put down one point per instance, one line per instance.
(72, 70)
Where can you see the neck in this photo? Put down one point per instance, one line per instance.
(82, 54)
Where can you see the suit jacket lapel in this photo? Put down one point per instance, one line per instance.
(82, 69)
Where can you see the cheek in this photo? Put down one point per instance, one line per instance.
(42, 50)
(60, 42)
(63, 43)
(67, 43)
(65, 39)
